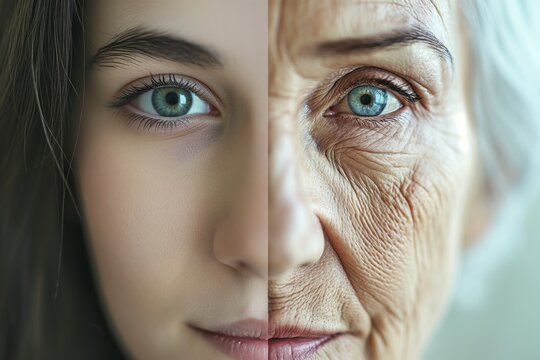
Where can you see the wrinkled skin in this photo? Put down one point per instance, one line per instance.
(367, 215)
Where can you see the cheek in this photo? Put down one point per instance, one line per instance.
(142, 203)
(397, 213)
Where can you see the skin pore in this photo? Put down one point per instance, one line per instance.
(176, 208)
(366, 212)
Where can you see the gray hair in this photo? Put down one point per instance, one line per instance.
(505, 42)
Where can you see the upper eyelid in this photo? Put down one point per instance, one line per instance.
(201, 89)
(411, 97)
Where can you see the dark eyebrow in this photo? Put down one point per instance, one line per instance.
(415, 34)
(134, 42)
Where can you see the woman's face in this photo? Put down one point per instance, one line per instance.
(172, 169)
(370, 159)
(350, 197)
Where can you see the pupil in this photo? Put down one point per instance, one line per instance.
(365, 99)
(172, 98)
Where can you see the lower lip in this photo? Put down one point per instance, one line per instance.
(296, 348)
(238, 348)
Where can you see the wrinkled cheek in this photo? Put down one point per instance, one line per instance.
(376, 246)
(399, 231)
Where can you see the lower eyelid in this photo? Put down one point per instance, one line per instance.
(130, 110)
(348, 124)
(150, 125)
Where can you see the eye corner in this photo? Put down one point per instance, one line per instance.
(214, 111)
(330, 112)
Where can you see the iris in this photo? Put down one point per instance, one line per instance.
(171, 101)
(367, 100)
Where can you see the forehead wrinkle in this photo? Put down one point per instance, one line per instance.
(275, 32)
(304, 20)
(300, 24)
(286, 79)
(425, 11)
(438, 11)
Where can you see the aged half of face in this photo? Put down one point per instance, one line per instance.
(172, 169)
(371, 157)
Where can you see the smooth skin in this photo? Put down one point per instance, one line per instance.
(177, 222)
(367, 215)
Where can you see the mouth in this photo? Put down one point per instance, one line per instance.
(243, 340)
(292, 343)
(254, 340)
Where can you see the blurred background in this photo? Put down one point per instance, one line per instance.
(495, 312)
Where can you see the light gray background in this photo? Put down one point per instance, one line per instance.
(505, 324)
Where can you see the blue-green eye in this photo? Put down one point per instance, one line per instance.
(367, 100)
(171, 102)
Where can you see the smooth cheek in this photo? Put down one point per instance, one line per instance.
(143, 202)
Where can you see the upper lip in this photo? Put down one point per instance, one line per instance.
(258, 329)
(249, 329)
(276, 331)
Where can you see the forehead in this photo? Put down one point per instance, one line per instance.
(220, 25)
(318, 21)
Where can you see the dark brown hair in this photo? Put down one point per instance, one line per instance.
(48, 303)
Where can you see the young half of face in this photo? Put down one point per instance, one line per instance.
(172, 173)
(371, 160)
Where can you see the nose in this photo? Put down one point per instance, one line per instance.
(241, 237)
(295, 234)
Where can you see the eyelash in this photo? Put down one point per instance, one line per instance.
(146, 123)
(385, 81)
(409, 95)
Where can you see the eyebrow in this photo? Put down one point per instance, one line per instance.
(414, 34)
(135, 42)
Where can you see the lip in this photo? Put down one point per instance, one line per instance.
(242, 340)
(295, 348)
(294, 343)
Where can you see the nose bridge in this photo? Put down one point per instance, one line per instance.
(252, 204)
(241, 238)
(295, 235)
